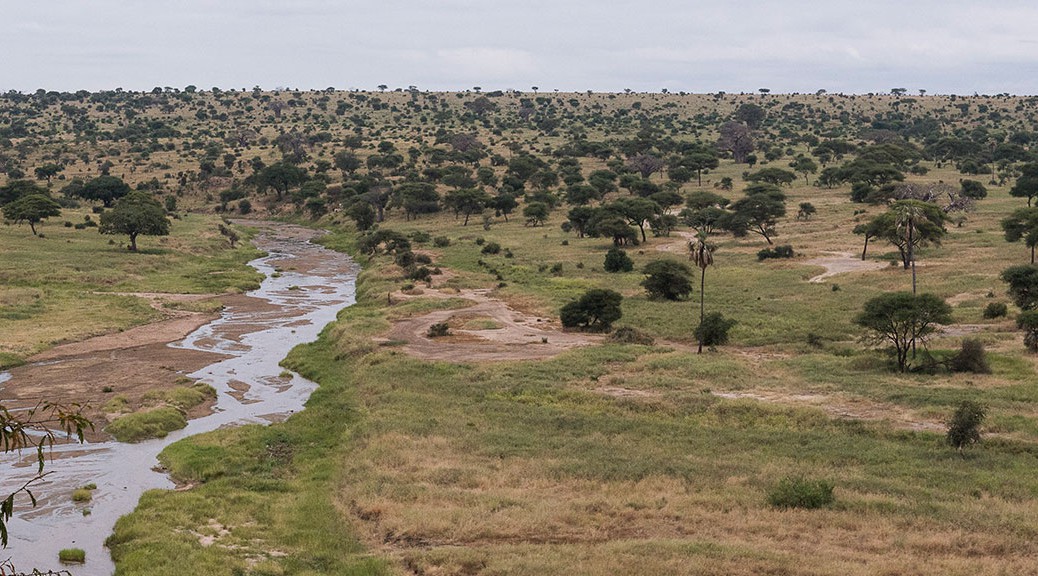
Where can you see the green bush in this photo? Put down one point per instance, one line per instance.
(143, 425)
(667, 280)
(617, 260)
(971, 358)
(785, 251)
(714, 329)
(441, 241)
(628, 335)
(799, 492)
(964, 427)
(76, 555)
(595, 311)
(996, 310)
(491, 248)
(438, 330)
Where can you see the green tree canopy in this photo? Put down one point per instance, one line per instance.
(1023, 285)
(1022, 224)
(106, 189)
(902, 318)
(595, 311)
(31, 208)
(667, 279)
(135, 214)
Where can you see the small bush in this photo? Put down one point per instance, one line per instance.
(714, 329)
(799, 492)
(667, 280)
(996, 310)
(72, 555)
(421, 274)
(617, 260)
(491, 248)
(628, 335)
(81, 495)
(441, 241)
(785, 251)
(420, 237)
(438, 330)
(244, 206)
(422, 259)
(964, 427)
(556, 269)
(971, 358)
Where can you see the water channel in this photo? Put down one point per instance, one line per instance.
(305, 286)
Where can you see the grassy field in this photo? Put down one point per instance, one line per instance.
(537, 468)
(53, 288)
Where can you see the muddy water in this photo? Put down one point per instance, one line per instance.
(305, 286)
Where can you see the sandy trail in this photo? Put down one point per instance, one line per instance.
(842, 263)
(514, 335)
(679, 246)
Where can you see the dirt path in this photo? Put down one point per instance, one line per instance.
(841, 263)
(489, 330)
(679, 246)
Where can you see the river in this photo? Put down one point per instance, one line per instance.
(305, 286)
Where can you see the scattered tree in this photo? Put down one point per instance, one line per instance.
(902, 319)
(964, 427)
(595, 311)
(32, 208)
(667, 279)
(701, 253)
(135, 214)
(1023, 285)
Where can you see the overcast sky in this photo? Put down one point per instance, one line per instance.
(942, 46)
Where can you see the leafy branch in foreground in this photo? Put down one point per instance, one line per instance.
(37, 429)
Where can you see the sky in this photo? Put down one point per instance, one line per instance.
(860, 46)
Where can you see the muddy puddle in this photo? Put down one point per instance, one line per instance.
(305, 286)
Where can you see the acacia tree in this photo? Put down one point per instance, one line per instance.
(702, 255)
(1022, 224)
(758, 212)
(107, 189)
(137, 213)
(32, 208)
(902, 319)
(927, 228)
(1023, 285)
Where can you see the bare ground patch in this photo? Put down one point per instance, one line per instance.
(839, 407)
(842, 263)
(488, 330)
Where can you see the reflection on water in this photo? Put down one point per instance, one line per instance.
(250, 389)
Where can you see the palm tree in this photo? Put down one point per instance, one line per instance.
(702, 255)
(908, 215)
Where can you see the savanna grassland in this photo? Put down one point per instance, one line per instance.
(609, 458)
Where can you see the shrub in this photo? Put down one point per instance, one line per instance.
(667, 279)
(244, 206)
(799, 492)
(964, 427)
(422, 259)
(143, 425)
(491, 248)
(628, 335)
(556, 269)
(996, 310)
(441, 241)
(595, 311)
(1028, 322)
(714, 329)
(421, 273)
(77, 555)
(617, 260)
(81, 495)
(438, 330)
(971, 358)
(785, 251)
(404, 259)
(420, 237)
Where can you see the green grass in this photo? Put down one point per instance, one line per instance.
(72, 555)
(139, 426)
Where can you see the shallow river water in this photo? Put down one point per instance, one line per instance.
(305, 286)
